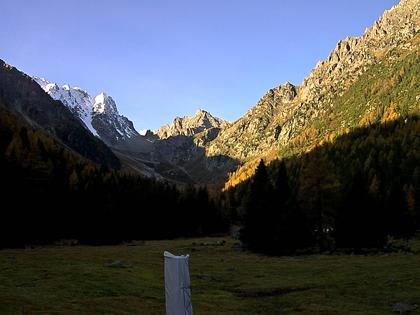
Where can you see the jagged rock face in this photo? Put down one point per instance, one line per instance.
(99, 115)
(109, 124)
(177, 152)
(353, 55)
(189, 126)
(201, 139)
(77, 100)
(284, 112)
(183, 159)
(349, 60)
(259, 129)
(182, 145)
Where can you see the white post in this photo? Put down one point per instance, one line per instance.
(177, 285)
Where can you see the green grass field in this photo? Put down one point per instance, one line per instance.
(225, 280)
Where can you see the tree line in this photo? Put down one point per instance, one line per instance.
(49, 193)
(354, 193)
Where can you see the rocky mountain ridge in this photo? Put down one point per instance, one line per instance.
(100, 114)
(288, 115)
(191, 125)
(258, 128)
(172, 152)
(177, 151)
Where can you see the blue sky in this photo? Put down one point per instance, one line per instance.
(164, 58)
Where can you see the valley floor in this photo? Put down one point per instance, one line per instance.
(225, 280)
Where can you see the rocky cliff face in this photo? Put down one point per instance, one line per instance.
(108, 123)
(191, 125)
(259, 128)
(299, 117)
(177, 151)
(349, 60)
(99, 115)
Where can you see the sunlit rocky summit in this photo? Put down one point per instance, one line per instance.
(190, 126)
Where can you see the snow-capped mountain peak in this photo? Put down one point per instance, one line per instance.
(52, 87)
(99, 115)
(104, 104)
(78, 101)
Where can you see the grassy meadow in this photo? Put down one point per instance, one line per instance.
(225, 280)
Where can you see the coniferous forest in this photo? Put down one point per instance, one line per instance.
(355, 193)
(50, 193)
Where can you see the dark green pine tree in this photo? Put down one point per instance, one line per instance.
(290, 228)
(359, 222)
(257, 211)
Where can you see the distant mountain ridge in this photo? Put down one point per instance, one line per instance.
(99, 114)
(191, 125)
(176, 151)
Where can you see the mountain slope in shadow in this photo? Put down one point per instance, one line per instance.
(24, 98)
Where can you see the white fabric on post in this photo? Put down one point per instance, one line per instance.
(177, 285)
